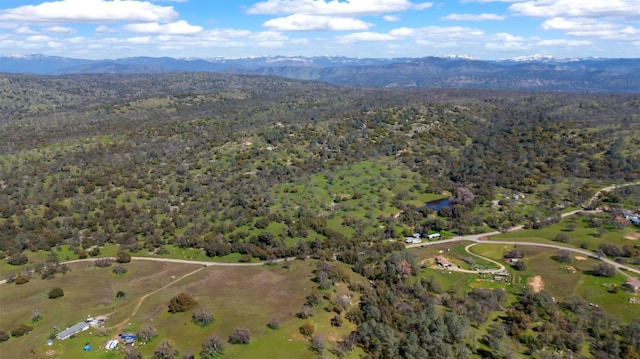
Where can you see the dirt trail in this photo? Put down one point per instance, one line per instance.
(118, 327)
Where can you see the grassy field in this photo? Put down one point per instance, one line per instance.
(580, 230)
(238, 297)
(566, 279)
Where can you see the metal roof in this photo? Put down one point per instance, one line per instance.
(76, 328)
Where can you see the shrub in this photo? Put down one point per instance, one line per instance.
(56, 292)
(4, 336)
(120, 294)
(120, 269)
(21, 279)
(240, 336)
(305, 312)
(165, 350)
(36, 316)
(604, 270)
(147, 333)
(21, 330)
(202, 317)
(123, 257)
(103, 262)
(562, 237)
(519, 265)
(181, 303)
(274, 323)
(307, 329)
(213, 347)
(563, 256)
(95, 251)
(17, 259)
(132, 353)
(336, 321)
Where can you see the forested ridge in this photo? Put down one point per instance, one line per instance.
(272, 168)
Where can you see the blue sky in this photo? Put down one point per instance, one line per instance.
(484, 29)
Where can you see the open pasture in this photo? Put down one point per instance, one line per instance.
(566, 279)
(236, 296)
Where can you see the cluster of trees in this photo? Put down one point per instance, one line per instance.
(175, 173)
(213, 347)
(403, 316)
(199, 169)
(18, 331)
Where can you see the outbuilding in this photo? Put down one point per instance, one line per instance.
(443, 262)
(632, 284)
(74, 329)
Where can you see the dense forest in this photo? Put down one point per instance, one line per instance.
(256, 165)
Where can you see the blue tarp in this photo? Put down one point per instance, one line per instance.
(87, 348)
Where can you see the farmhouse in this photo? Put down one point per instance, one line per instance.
(74, 329)
(632, 284)
(443, 262)
(433, 235)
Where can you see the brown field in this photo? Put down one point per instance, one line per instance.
(237, 296)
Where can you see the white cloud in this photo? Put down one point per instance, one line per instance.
(24, 30)
(402, 31)
(391, 18)
(300, 22)
(103, 28)
(39, 38)
(138, 40)
(490, 1)
(178, 27)
(60, 29)
(585, 27)
(335, 7)
(89, 11)
(503, 36)
(364, 37)
(473, 17)
(625, 9)
(564, 43)
(76, 40)
(450, 32)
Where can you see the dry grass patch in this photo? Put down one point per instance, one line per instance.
(634, 236)
(536, 283)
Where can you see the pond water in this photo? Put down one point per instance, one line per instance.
(438, 203)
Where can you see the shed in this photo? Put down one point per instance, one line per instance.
(443, 262)
(632, 284)
(74, 329)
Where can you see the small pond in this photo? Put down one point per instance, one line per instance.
(438, 203)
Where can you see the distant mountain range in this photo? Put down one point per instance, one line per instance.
(534, 73)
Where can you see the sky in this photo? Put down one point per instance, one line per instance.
(482, 29)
